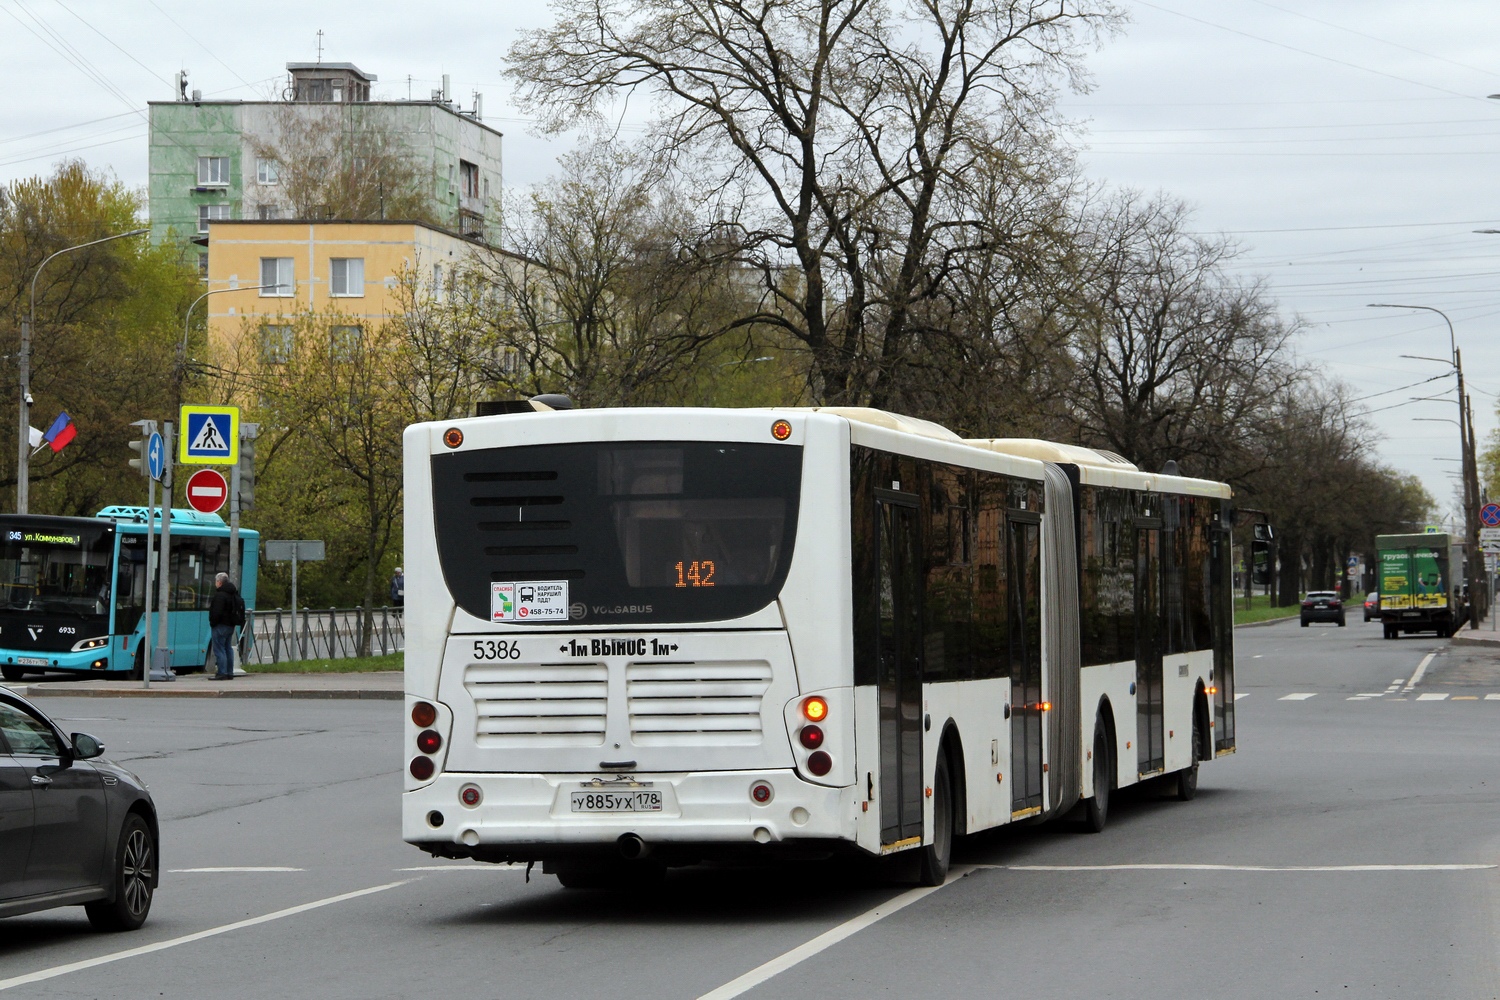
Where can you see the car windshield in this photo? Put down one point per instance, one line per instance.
(55, 569)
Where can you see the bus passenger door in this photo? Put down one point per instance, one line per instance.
(900, 679)
(1150, 734)
(1023, 569)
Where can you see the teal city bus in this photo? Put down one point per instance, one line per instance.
(72, 589)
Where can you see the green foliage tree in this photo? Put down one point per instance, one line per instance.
(107, 322)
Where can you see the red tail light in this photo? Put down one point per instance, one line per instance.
(811, 737)
(819, 763)
(422, 768)
(428, 741)
(1307, 604)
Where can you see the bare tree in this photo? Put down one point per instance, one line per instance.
(829, 131)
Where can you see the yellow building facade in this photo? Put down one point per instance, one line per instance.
(351, 268)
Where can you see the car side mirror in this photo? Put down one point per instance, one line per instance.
(85, 747)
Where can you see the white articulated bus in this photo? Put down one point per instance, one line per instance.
(646, 637)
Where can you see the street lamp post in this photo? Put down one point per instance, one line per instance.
(23, 432)
(1470, 475)
(180, 369)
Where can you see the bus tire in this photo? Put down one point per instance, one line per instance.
(1187, 778)
(934, 857)
(12, 673)
(1096, 809)
(138, 672)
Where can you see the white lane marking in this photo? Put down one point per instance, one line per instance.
(826, 940)
(1239, 695)
(1298, 696)
(146, 949)
(1416, 677)
(1431, 697)
(1256, 656)
(1492, 697)
(1243, 868)
(220, 871)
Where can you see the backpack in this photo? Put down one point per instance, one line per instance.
(239, 611)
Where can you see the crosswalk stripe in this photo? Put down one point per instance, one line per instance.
(1430, 696)
(1298, 696)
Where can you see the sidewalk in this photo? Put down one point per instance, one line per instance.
(382, 686)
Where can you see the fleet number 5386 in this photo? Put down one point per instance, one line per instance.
(496, 649)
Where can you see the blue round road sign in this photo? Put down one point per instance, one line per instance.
(1490, 514)
(156, 456)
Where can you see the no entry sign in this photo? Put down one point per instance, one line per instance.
(207, 491)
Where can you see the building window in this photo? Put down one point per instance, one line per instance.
(277, 342)
(344, 342)
(276, 277)
(470, 224)
(267, 171)
(268, 212)
(211, 213)
(203, 266)
(348, 276)
(509, 359)
(468, 175)
(213, 171)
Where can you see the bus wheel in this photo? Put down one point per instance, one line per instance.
(138, 672)
(1096, 809)
(1187, 778)
(12, 673)
(934, 857)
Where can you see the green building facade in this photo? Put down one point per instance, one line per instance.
(207, 158)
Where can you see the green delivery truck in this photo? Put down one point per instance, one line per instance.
(1421, 581)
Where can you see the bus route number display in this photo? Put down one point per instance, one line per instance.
(540, 600)
(698, 573)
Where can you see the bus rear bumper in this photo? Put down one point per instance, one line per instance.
(531, 817)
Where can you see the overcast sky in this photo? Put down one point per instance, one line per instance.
(1348, 147)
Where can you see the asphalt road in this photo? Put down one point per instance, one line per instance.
(1326, 833)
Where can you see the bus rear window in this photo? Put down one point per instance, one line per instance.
(629, 533)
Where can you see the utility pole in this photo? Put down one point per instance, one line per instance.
(163, 656)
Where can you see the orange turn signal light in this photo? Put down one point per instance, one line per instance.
(815, 709)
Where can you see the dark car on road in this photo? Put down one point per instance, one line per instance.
(1372, 606)
(1322, 606)
(75, 829)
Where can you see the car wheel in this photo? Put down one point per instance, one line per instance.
(1341, 621)
(134, 880)
(936, 855)
(1096, 809)
(1304, 623)
(12, 673)
(1187, 778)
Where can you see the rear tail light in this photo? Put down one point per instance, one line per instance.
(1335, 604)
(819, 763)
(761, 792)
(470, 796)
(1307, 604)
(423, 714)
(811, 737)
(421, 768)
(428, 741)
(815, 709)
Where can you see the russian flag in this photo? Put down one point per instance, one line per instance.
(61, 432)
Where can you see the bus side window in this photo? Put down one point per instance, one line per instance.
(215, 561)
(186, 568)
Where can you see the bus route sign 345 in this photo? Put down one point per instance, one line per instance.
(544, 600)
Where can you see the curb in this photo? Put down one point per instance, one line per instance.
(1268, 621)
(65, 691)
(1464, 640)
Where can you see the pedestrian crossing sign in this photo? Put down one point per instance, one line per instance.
(209, 435)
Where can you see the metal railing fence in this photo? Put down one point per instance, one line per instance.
(331, 634)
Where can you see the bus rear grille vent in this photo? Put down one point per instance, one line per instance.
(697, 704)
(538, 704)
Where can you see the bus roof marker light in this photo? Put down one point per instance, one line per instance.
(453, 437)
(781, 430)
(815, 709)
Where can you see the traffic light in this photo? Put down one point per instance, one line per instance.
(142, 461)
(248, 433)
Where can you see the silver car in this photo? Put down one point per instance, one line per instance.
(74, 827)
